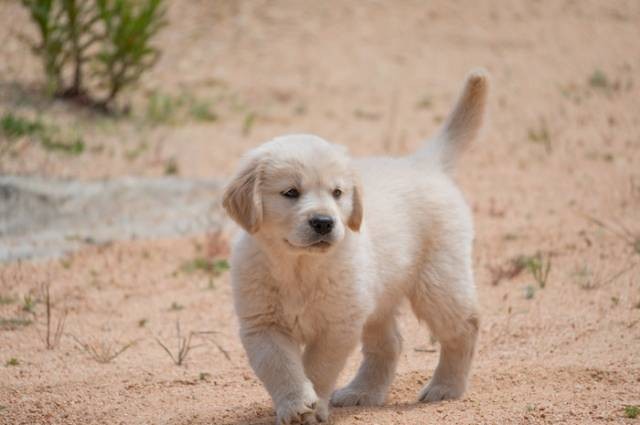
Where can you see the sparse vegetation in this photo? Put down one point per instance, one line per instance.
(161, 108)
(538, 265)
(164, 108)
(14, 126)
(632, 411)
(52, 336)
(247, 124)
(50, 137)
(13, 323)
(101, 351)
(75, 146)
(213, 267)
(201, 111)
(184, 346)
(132, 154)
(28, 303)
(12, 362)
(599, 80)
(541, 136)
(171, 167)
(142, 323)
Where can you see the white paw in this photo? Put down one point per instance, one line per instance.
(301, 409)
(350, 396)
(322, 411)
(435, 391)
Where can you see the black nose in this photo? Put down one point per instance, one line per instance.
(322, 224)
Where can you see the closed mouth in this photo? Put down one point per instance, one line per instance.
(321, 245)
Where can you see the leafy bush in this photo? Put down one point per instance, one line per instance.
(111, 39)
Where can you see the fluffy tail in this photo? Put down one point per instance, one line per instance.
(462, 125)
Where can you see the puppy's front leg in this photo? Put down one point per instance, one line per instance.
(323, 360)
(277, 361)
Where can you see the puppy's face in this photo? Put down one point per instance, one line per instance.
(298, 192)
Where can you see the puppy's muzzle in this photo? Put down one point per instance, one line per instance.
(322, 224)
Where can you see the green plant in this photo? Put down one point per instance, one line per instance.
(13, 323)
(48, 16)
(541, 136)
(109, 38)
(212, 267)
(74, 146)
(599, 80)
(14, 126)
(201, 111)
(126, 49)
(631, 412)
(28, 303)
(538, 265)
(171, 167)
(161, 108)
(248, 122)
(12, 362)
(50, 137)
(132, 154)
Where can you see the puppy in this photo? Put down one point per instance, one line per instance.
(330, 248)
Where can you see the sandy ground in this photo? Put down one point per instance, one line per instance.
(557, 172)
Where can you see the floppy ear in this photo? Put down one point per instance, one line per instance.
(355, 219)
(242, 198)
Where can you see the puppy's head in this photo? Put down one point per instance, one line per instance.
(296, 191)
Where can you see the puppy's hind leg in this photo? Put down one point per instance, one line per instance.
(381, 346)
(445, 299)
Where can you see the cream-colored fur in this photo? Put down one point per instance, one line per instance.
(402, 230)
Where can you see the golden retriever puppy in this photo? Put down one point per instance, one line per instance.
(330, 248)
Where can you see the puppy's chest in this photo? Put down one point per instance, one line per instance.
(307, 311)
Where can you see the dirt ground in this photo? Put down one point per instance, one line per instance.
(557, 172)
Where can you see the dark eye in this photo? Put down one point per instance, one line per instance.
(337, 193)
(291, 193)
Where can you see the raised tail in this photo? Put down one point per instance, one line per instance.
(462, 125)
